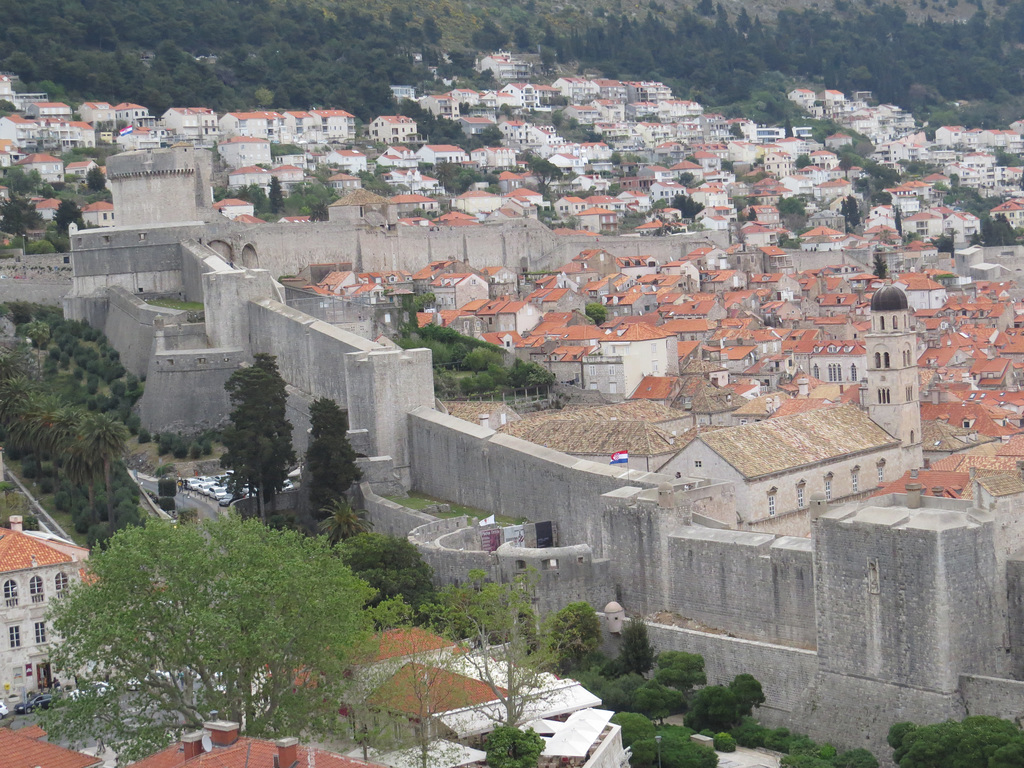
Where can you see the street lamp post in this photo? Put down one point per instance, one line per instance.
(658, 739)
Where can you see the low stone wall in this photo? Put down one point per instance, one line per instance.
(389, 517)
(993, 696)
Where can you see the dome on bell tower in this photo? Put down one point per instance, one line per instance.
(888, 298)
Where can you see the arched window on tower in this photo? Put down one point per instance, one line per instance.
(878, 359)
(885, 359)
(911, 437)
(895, 322)
(881, 320)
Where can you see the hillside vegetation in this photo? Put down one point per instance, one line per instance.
(303, 53)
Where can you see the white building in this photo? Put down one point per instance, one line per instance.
(36, 569)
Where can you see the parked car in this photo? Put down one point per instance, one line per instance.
(3, 710)
(95, 688)
(39, 701)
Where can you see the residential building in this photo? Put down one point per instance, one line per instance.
(50, 168)
(240, 151)
(504, 66)
(260, 125)
(36, 569)
(393, 129)
(99, 214)
(197, 125)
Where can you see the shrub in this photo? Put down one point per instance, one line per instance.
(62, 501)
(181, 450)
(134, 423)
(635, 727)
(29, 468)
(724, 742)
(144, 436)
(167, 503)
(749, 733)
(195, 450)
(167, 486)
(46, 485)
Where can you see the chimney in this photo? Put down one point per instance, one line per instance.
(485, 420)
(936, 395)
(1020, 468)
(803, 386)
(15, 522)
(193, 744)
(287, 753)
(937, 491)
(927, 463)
(913, 474)
(914, 495)
(223, 733)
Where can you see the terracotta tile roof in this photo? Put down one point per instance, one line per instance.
(782, 444)
(952, 483)
(801, 405)
(420, 690)
(19, 551)
(589, 438)
(24, 751)
(655, 388)
(395, 643)
(244, 753)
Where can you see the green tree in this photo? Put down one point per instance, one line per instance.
(95, 181)
(497, 620)
(858, 758)
(228, 615)
(880, 267)
(18, 216)
(597, 312)
(637, 653)
(688, 207)
(342, 522)
(318, 212)
(545, 172)
(748, 693)
(635, 727)
(276, 196)
(851, 212)
(67, 213)
(680, 670)
(509, 747)
(393, 566)
(259, 437)
(658, 701)
(330, 458)
(104, 437)
(713, 707)
(973, 742)
(677, 751)
(480, 358)
(898, 220)
(574, 633)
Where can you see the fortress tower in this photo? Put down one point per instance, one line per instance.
(161, 186)
(892, 382)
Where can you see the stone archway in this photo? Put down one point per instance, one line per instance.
(248, 257)
(222, 249)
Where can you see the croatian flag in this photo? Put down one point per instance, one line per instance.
(125, 131)
(620, 457)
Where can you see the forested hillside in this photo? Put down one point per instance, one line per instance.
(301, 53)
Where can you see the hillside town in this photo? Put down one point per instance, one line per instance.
(734, 336)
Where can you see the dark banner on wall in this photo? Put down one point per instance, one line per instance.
(545, 537)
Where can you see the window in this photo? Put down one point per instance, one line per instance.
(593, 370)
(881, 473)
(11, 593)
(771, 505)
(828, 489)
(35, 589)
(816, 372)
(698, 463)
(855, 481)
(910, 394)
(14, 637)
(885, 359)
(40, 627)
(853, 373)
(60, 583)
(882, 321)
(800, 496)
(878, 359)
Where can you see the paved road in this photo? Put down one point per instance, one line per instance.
(207, 507)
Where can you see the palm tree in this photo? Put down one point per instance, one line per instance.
(342, 521)
(81, 468)
(104, 437)
(14, 394)
(33, 426)
(12, 365)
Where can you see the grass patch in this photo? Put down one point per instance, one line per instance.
(416, 500)
(188, 306)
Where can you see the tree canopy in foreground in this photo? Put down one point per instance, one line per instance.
(228, 616)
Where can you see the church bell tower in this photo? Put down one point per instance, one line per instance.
(893, 383)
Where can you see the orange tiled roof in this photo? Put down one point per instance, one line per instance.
(19, 550)
(443, 691)
(245, 753)
(25, 751)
